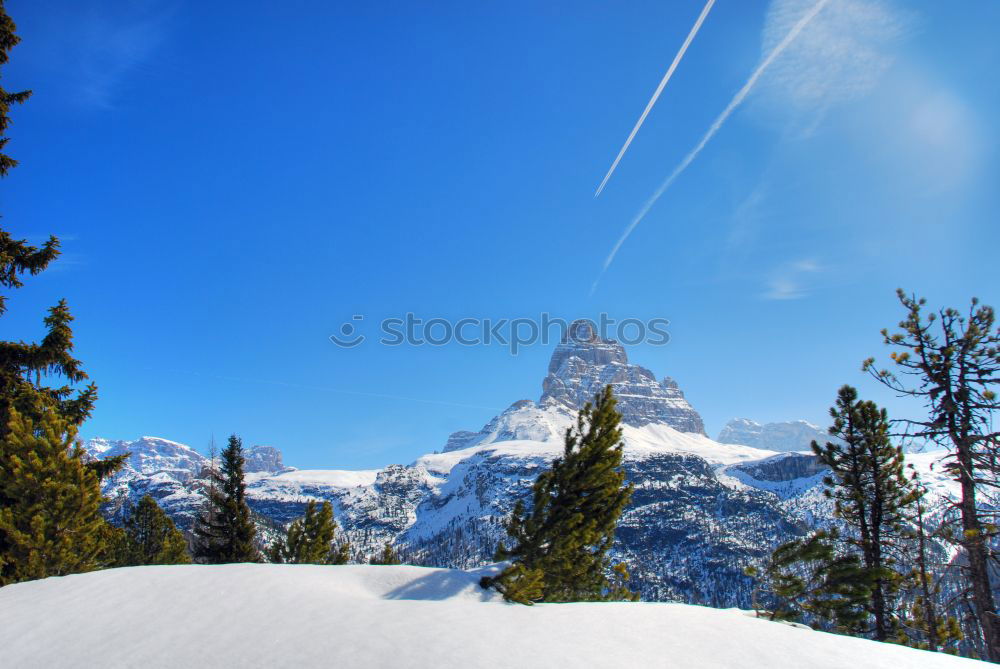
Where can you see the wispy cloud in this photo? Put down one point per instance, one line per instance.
(737, 100)
(94, 47)
(791, 281)
(659, 89)
(113, 46)
(841, 55)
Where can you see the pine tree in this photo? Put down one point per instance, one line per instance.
(224, 532)
(310, 539)
(561, 545)
(152, 538)
(388, 556)
(809, 580)
(871, 494)
(50, 524)
(953, 363)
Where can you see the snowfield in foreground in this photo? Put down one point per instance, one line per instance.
(367, 616)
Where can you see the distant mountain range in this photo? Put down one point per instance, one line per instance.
(795, 435)
(702, 509)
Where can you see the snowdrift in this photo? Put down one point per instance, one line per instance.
(370, 616)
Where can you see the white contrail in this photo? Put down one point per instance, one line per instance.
(656, 93)
(714, 128)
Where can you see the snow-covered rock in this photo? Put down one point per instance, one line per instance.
(263, 459)
(583, 364)
(795, 435)
(247, 615)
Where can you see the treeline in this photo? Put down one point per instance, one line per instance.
(881, 573)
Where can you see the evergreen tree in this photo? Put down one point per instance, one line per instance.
(50, 523)
(387, 557)
(224, 531)
(310, 539)
(809, 580)
(871, 494)
(951, 362)
(561, 545)
(151, 537)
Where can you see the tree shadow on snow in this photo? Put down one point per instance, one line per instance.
(437, 586)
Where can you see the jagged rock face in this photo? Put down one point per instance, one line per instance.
(262, 459)
(583, 364)
(784, 467)
(791, 436)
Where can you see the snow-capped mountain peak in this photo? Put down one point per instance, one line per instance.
(794, 435)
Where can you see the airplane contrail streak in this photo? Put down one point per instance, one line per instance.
(714, 128)
(656, 93)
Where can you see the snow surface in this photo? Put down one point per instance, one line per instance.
(333, 478)
(365, 616)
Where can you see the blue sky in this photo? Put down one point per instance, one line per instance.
(233, 181)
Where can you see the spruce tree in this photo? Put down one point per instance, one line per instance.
(388, 556)
(951, 362)
(809, 580)
(560, 551)
(50, 523)
(224, 531)
(871, 494)
(310, 539)
(152, 538)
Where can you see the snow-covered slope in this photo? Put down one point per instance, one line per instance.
(360, 616)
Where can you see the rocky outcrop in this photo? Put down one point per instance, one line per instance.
(583, 363)
(262, 459)
(785, 467)
(795, 435)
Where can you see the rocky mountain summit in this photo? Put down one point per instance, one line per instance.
(583, 363)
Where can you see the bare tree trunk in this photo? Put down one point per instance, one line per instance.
(930, 612)
(974, 543)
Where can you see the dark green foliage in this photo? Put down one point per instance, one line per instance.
(225, 532)
(150, 537)
(310, 539)
(950, 361)
(50, 523)
(809, 581)
(871, 494)
(8, 40)
(561, 545)
(388, 556)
